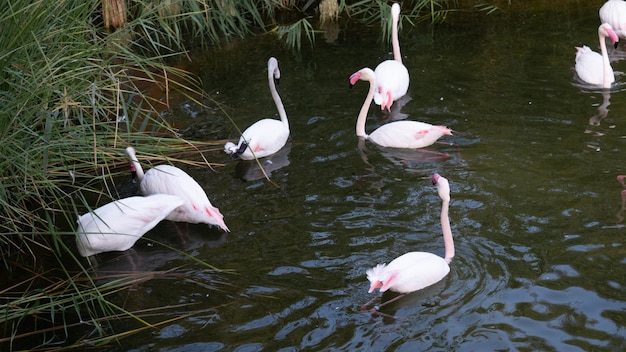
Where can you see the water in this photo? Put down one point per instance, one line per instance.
(535, 207)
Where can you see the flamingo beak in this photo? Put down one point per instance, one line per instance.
(375, 285)
(354, 78)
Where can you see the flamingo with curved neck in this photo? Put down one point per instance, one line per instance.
(397, 134)
(391, 75)
(267, 136)
(594, 68)
(167, 179)
(416, 270)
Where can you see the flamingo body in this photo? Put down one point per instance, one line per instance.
(594, 68)
(416, 270)
(267, 136)
(613, 12)
(399, 275)
(408, 134)
(392, 77)
(116, 226)
(167, 179)
(398, 134)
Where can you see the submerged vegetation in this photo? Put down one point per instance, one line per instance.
(72, 97)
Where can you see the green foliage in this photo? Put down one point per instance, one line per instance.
(71, 99)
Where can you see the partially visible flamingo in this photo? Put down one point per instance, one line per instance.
(167, 179)
(620, 216)
(267, 136)
(116, 226)
(416, 270)
(397, 134)
(392, 77)
(613, 12)
(594, 68)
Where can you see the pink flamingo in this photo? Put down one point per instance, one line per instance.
(416, 270)
(167, 179)
(392, 76)
(613, 12)
(116, 226)
(594, 68)
(397, 134)
(267, 136)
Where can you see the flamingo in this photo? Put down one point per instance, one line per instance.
(116, 226)
(416, 270)
(592, 67)
(620, 179)
(391, 75)
(267, 136)
(397, 134)
(169, 179)
(613, 12)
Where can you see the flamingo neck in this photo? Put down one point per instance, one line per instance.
(277, 101)
(395, 42)
(448, 241)
(136, 166)
(606, 64)
(360, 122)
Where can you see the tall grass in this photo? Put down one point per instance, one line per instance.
(70, 101)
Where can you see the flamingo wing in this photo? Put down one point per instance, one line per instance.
(263, 138)
(116, 226)
(408, 134)
(415, 270)
(589, 66)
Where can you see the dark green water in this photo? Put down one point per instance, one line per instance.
(540, 256)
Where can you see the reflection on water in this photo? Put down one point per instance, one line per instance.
(252, 170)
(540, 256)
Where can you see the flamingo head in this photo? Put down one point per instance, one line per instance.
(395, 10)
(272, 68)
(605, 30)
(443, 187)
(376, 277)
(387, 99)
(364, 74)
(133, 172)
(355, 77)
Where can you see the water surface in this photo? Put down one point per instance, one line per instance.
(535, 207)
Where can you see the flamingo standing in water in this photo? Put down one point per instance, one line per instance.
(392, 77)
(167, 179)
(397, 134)
(416, 270)
(267, 136)
(613, 12)
(594, 68)
(116, 226)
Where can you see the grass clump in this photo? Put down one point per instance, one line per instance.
(71, 99)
